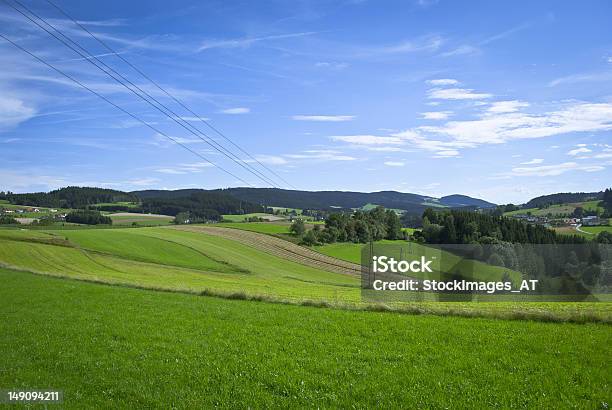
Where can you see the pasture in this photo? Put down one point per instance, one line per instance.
(558, 210)
(261, 227)
(245, 217)
(167, 258)
(115, 347)
(129, 218)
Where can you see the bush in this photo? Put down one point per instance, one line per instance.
(8, 220)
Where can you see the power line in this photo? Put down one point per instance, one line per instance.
(120, 108)
(112, 51)
(90, 58)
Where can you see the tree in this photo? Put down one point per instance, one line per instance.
(578, 212)
(297, 227)
(393, 225)
(310, 239)
(182, 218)
(604, 237)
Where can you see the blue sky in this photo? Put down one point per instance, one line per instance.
(498, 100)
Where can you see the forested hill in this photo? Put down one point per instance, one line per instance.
(563, 198)
(457, 201)
(70, 197)
(326, 200)
(346, 199)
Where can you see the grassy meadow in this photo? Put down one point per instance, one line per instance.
(165, 258)
(244, 217)
(115, 347)
(128, 218)
(270, 228)
(560, 209)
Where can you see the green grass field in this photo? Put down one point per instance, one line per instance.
(190, 262)
(243, 217)
(561, 209)
(163, 258)
(282, 209)
(123, 218)
(261, 227)
(596, 229)
(114, 347)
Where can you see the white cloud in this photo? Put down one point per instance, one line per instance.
(269, 159)
(436, 115)
(449, 153)
(14, 111)
(249, 41)
(192, 119)
(533, 161)
(581, 78)
(576, 151)
(426, 43)
(504, 127)
(368, 139)
(499, 107)
(443, 81)
(394, 163)
(321, 155)
(323, 118)
(553, 170)
(461, 50)
(456, 94)
(189, 168)
(331, 65)
(236, 110)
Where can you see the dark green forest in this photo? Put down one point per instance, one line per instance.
(70, 197)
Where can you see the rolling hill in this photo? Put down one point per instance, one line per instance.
(409, 202)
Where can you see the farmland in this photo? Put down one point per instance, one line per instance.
(205, 352)
(176, 259)
(261, 227)
(245, 217)
(129, 218)
(558, 210)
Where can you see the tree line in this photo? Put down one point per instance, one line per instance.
(462, 227)
(70, 197)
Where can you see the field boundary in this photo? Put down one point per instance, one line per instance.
(411, 309)
(278, 247)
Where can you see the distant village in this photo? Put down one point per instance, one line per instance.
(550, 222)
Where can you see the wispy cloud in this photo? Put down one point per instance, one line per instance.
(505, 34)
(324, 118)
(533, 161)
(14, 111)
(394, 163)
(581, 78)
(436, 115)
(456, 94)
(577, 151)
(236, 110)
(442, 81)
(553, 170)
(367, 139)
(464, 49)
(182, 169)
(500, 107)
(249, 41)
(331, 65)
